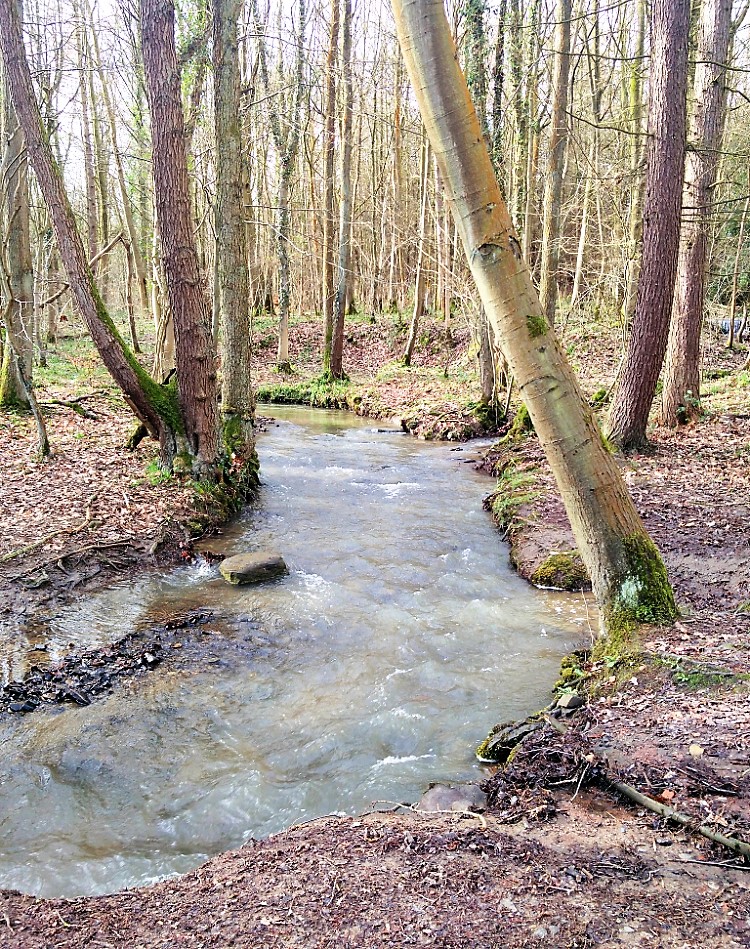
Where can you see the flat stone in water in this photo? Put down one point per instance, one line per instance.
(253, 568)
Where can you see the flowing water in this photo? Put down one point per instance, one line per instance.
(399, 637)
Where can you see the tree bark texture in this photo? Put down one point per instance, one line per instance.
(681, 395)
(137, 386)
(553, 189)
(232, 279)
(627, 574)
(195, 358)
(665, 159)
(16, 369)
(329, 219)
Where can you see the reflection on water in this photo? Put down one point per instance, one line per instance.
(399, 637)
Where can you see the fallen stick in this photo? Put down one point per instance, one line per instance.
(669, 813)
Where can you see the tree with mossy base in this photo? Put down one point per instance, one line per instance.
(626, 570)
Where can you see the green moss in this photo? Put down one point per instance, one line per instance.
(236, 434)
(321, 393)
(217, 499)
(522, 426)
(607, 444)
(163, 399)
(640, 594)
(488, 414)
(572, 670)
(512, 492)
(600, 397)
(537, 325)
(563, 571)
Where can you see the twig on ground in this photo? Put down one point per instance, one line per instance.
(415, 810)
(669, 813)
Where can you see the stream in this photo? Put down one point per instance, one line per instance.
(399, 637)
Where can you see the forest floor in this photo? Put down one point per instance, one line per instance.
(558, 858)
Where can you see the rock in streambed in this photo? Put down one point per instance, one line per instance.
(253, 568)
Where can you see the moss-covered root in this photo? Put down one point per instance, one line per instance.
(640, 594)
(563, 571)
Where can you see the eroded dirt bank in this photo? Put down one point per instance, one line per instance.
(405, 881)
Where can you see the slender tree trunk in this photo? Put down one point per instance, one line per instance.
(237, 401)
(554, 181)
(101, 160)
(420, 281)
(530, 214)
(345, 209)
(84, 66)
(681, 395)
(329, 219)
(626, 570)
(16, 368)
(670, 24)
(635, 216)
(498, 88)
(517, 70)
(191, 311)
(140, 267)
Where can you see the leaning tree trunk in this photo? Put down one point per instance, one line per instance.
(237, 405)
(152, 404)
(553, 190)
(626, 570)
(665, 159)
(195, 358)
(681, 396)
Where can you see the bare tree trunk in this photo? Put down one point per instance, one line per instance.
(92, 211)
(237, 401)
(140, 268)
(191, 311)
(286, 140)
(345, 210)
(670, 24)
(554, 181)
(101, 160)
(16, 368)
(530, 213)
(635, 222)
(420, 280)
(329, 219)
(626, 570)
(498, 85)
(681, 395)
